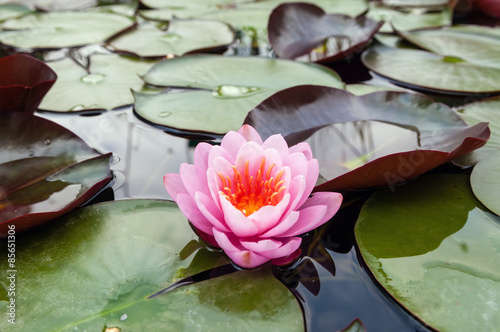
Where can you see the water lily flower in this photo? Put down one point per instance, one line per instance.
(252, 198)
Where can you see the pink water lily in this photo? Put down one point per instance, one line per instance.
(252, 198)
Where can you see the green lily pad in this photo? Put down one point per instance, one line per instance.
(45, 171)
(230, 90)
(487, 110)
(62, 29)
(191, 3)
(404, 20)
(415, 3)
(12, 10)
(182, 36)
(435, 249)
(106, 85)
(118, 254)
(433, 72)
(485, 181)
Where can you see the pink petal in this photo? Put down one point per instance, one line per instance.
(311, 178)
(194, 179)
(260, 245)
(237, 221)
(218, 151)
(228, 241)
(189, 208)
(273, 156)
(288, 259)
(250, 134)
(309, 218)
(201, 155)
(289, 246)
(303, 148)
(251, 152)
(246, 259)
(298, 164)
(210, 211)
(296, 190)
(213, 185)
(232, 142)
(283, 226)
(224, 167)
(174, 185)
(268, 216)
(332, 200)
(278, 143)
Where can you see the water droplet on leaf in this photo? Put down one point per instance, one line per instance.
(93, 78)
(164, 114)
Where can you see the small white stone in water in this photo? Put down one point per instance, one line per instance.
(123, 317)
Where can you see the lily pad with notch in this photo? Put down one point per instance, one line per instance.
(434, 248)
(105, 84)
(178, 37)
(62, 29)
(119, 253)
(455, 62)
(227, 91)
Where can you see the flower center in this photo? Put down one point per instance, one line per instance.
(249, 193)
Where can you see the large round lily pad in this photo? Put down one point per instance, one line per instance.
(487, 110)
(45, 171)
(435, 72)
(229, 92)
(62, 29)
(435, 249)
(485, 181)
(105, 85)
(404, 20)
(95, 268)
(181, 36)
(12, 10)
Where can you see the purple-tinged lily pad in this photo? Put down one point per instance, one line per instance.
(45, 171)
(24, 82)
(297, 29)
(300, 112)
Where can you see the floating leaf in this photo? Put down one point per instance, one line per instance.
(300, 111)
(436, 251)
(106, 84)
(45, 171)
(24, 82)
(12, 10)
(404, 19)
(119, 253)
(62, 29)
(485, 181)
(487, 110)
(296, 29)
(57, 5)
(415, 3)
(460, 61)
(182, 36)
(231, 91)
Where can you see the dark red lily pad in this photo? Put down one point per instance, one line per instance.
(300, 112)
(23, 83)
(296, 29)
(45, 171)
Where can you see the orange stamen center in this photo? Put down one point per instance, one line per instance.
(249, 193)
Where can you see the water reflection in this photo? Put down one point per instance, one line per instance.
(143, 154)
